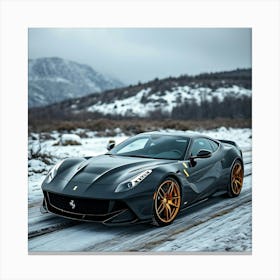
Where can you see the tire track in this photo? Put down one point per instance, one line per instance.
(52, 228)
(52, 223)
(143, 237)
(48, 223)
(188, 218)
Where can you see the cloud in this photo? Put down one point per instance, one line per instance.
(141, 54)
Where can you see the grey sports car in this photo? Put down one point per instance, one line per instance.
(149, 177)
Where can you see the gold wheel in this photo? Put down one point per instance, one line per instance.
(167, 201)
(236, 178)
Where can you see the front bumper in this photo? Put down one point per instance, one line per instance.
(109, 212)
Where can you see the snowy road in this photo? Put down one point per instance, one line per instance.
(219, 224)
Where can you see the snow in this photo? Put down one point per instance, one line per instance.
(220, 225)
(47, 151)
(242, 136)
(36, 165)
(54, 79)
(130, 105)
(228, 230)
(73, 236)
(214, 235)
(166, 100)
(70, 139)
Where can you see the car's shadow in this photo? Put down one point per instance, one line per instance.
(136, 227)
(142, 227)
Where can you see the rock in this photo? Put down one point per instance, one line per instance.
(70, 139)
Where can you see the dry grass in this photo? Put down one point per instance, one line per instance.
(134, 126)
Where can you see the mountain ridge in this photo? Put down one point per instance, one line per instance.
(209, 95)
(53, 79)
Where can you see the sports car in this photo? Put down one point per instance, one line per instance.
(149, 177)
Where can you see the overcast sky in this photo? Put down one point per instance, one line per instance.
(142, 54)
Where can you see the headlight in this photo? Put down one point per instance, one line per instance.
(130, 184)
(53, 172)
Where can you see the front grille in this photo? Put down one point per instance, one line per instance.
(78, 205)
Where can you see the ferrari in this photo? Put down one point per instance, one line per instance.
(149, 177)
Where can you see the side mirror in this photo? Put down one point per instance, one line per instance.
(111, 144)
(203, 154)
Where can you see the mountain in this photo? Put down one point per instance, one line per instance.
(204, 96)
(54, 79)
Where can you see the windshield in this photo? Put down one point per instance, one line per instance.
(153, 146)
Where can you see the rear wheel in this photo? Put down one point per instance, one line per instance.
(236, 179)
(167, 202)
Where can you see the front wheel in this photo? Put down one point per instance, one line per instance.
(236, 179)
(167, 202)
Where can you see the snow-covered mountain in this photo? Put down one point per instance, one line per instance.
(145, 101)
(54, 79)
(211, 95)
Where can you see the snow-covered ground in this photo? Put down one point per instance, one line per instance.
(49, 152)
(170, 99)
(224, 226)
(214, 234)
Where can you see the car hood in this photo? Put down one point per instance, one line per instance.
(101, 171)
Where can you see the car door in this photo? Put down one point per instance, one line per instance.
(204, 172)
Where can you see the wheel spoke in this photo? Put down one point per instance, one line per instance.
(238, 182)
(236, 187)
(168, 210)
(166, 213)
(171, 187)
(161, 207)
(238, 169)
(173, 204)
(161, 193)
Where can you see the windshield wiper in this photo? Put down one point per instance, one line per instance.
(141, 156)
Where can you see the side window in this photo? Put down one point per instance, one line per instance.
(200, 144)
(214, 145)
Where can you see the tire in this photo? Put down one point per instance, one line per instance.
(236, 179)
(167, 202)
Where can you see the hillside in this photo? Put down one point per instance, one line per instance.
(205, 96)
(54, 79)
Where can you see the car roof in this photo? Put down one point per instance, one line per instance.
(188, 134)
